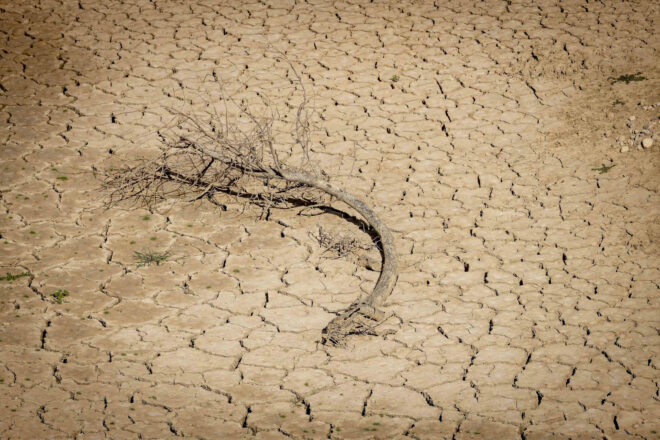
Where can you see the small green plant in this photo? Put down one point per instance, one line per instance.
(395, 78)
(236, 271)
(60, 294)
(11, 277)
(62, 178)
(147, 257)
(146, 217)
(617, 102)
(603, 169)
(628, 78)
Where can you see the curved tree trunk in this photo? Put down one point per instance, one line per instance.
(362, 316)
(359, 317)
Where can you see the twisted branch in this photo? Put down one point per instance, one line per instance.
(236, 155)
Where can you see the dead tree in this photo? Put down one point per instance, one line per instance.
(233, 152)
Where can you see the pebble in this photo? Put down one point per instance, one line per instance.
(647, 143)
(625, 149)
(632, 118)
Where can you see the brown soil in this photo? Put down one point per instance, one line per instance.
(492, 138)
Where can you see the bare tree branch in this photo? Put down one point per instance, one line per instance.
(235, 153)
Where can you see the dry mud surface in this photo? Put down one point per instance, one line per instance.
(483, 133)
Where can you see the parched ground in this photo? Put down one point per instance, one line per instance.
(493, 138)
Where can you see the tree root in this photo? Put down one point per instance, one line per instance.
(358, 319)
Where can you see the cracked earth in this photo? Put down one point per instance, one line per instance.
(493, 139)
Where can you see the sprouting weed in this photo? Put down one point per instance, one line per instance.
(11, 277)
(60, 294)
(628, 78)
(147, 257)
